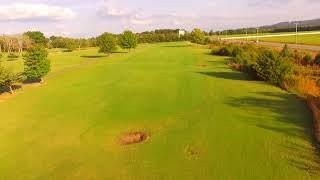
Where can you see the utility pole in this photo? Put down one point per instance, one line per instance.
(296, 33)
(247, 33)
(257, 34)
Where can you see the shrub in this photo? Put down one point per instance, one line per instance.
(232, 50)
(236, 50)
(13, 56)
(286, 53)
(1, 55)
(317, 59)
(299, 57)
(307, 59)
(272, 67)
(215, 50)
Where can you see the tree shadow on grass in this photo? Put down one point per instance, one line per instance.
(7, 90)
(287, 115)
(234, 75)
(94, 56)
(178, 46)
(120, 52)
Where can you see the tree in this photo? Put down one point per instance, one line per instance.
(37, 37)
(36, 64)
(197, 36)
(9, 78)
(128, 40)
(107, 43)
(70, 44)
(271, 66)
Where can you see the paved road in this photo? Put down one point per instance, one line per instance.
(276, 44)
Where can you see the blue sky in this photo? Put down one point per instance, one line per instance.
(86, 18)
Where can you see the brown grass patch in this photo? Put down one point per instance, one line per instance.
(133, 138)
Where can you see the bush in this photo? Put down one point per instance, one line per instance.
(236, 50)
(286, 53)
(232, 50)
(299, 57)
(215, 50)
(317, 59)
(13, 56)
(307, 59)
(272, 67)
(1, 55)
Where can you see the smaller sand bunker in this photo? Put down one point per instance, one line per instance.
(133, 138)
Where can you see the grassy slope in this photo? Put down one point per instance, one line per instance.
(206, 122)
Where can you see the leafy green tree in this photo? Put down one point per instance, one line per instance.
(128, 40)
(197, 36)
(107, 43)
(37, 37)
(9, 78)
(71, 44)
(36, 63)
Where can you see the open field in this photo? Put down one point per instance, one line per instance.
(307, 39)
(205, 121)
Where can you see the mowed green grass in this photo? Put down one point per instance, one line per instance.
(306, 39)
(310, 39)
(205, 121)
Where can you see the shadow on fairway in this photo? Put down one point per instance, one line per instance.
(94, 56)
(287, 115)
(178, 46)
(227, 75)
(6, 90)
(120, 52)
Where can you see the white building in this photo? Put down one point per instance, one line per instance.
(182, 32)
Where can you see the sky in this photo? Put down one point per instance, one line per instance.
(89, 18)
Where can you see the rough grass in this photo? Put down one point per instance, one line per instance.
(207, 122)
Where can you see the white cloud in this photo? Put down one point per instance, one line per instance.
(109, 10)
(22, 11)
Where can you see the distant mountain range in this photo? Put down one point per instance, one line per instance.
(307, 25)
(313, 24)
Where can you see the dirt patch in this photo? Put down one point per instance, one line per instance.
(133, 138)
(192, 151)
